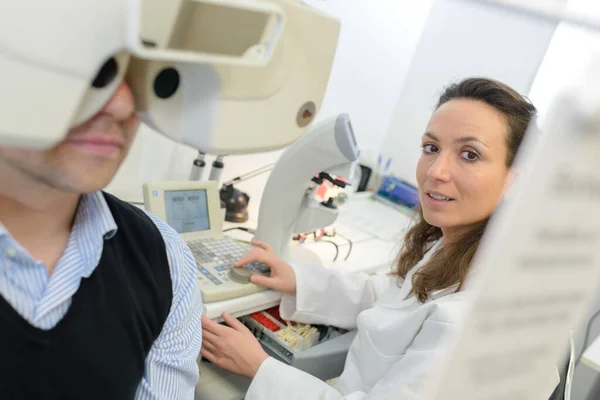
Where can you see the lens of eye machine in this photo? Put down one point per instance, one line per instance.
(166, 83)
(107, 73)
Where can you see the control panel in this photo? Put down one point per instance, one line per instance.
(218, 280)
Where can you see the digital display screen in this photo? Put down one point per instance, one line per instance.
(187, 210)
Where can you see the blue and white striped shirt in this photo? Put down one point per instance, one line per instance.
(171, 370)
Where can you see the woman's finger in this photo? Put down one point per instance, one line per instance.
(208, 346)
(261, 280)
(263, 245)
(208, 355)
(248, 257)
(213, 327)
(208, 337)
(252, 256)
(234, 322)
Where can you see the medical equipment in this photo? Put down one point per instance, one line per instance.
(234, 200)
(198, 165)
(299, 336)
(286, 207)
(317, 349)
(217, 170)
(193, 209)
(222, 76)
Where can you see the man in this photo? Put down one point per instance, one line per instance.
(98, 299)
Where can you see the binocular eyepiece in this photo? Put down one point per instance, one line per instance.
(221, 76)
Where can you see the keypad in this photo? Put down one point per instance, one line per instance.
(215, 256)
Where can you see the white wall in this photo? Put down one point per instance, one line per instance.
(461, 39)
(567, 59)
(376, 43)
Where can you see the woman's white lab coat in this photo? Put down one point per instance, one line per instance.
(395, 351)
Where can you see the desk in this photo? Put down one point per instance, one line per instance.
(369, 254)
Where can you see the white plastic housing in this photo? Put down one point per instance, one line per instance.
(225, 102)
(231, 108)
(50, 52)
(284, 206)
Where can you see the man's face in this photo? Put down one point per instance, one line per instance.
(90, 154)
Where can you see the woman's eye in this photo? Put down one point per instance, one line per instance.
(429, 148)
(469, 155)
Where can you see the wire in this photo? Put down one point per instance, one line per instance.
(337, 248)
(301, 238)
(251, 174)
(349, 245)
(587, 335)
(333, 233)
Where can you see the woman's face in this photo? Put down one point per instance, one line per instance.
(462, 170)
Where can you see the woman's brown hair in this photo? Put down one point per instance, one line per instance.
(449, 266)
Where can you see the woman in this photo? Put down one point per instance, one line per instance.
(469, 146)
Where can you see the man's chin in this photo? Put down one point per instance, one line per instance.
(84, 182)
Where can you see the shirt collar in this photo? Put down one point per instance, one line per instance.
(93, 224)
(93, 217)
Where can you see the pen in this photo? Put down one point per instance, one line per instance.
(387, 164)
(379, 161)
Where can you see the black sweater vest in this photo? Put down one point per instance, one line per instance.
(98, 350)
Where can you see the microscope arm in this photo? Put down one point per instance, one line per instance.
(285, 208)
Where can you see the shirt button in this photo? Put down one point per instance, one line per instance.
(10, 252)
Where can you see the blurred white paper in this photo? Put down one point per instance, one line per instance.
(538, 265)
(364, 215)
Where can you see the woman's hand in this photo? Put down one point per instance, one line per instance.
(232, 347)
(282, 279)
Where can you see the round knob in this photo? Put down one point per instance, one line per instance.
(330, 203)
(240, 275)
